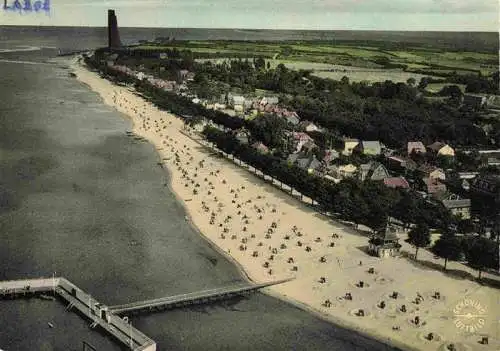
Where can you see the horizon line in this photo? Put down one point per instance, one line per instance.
(258, 29)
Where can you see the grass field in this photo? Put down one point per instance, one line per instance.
(436, 87)
(372, 76)
(320, 56)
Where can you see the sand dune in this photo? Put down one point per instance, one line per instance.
(271, 235)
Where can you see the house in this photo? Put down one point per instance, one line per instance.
(247, 104)
(300, 139)
(429, 171)
(294, 157)
(308, 127)
(433, 186)
(437, 173)
(401, 164)
(308, 146)
(484, 193)
(467, 175)
(372, 171)
(488, 185)
(458, 207)
(396, 182)
(292, 119)
(441, 149)
(369, 147)
(416, 146)
(466, 184)
(140, 75)
(242, 137)
(330, 155)
(263, 149)
(332, 179)
(308, 162)
(269, 100)
(492, 161)
(474, 101)
(185, 75)
(490, 157)
(385, 243)
(218, 106)
(111, 59)
(237, 101)
(333, 170)
(347, 171)
(349, 145)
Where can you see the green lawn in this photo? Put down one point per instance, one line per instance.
(436, 87)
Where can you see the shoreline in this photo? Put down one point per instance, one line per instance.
(247, 271)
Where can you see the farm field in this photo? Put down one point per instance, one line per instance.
(436, 87)
(336, 72)
(369, 61)
(371, 76)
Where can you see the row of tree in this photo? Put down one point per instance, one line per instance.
(364, 203)
(481, 253)
(368, 203)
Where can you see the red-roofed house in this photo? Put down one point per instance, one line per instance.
(260, 147)
(396, 182)
(301, 139)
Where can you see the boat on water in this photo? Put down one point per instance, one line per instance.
(50, 325)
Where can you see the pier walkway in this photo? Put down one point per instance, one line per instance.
(108, 318)
(198, 297)
(12, 288)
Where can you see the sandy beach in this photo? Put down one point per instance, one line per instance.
(271, 236)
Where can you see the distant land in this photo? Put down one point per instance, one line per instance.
(460, 41)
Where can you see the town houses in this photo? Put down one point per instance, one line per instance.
(415, 167)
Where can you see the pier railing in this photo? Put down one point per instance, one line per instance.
(106, 317)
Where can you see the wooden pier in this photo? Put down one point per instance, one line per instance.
(108, 318)
(27, 287)
(189, 299)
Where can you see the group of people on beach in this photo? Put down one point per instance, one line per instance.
(246, 220)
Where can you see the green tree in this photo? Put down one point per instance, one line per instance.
(419, 237)
(260, 63)
(270, 129)
(406, 209)
(481, 253)
(448, 247)
(345, 80)
(411, 81)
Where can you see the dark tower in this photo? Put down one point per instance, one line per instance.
(113, 35)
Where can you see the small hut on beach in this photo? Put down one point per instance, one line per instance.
(385, 243)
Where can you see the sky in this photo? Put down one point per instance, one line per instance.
(419, 15)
